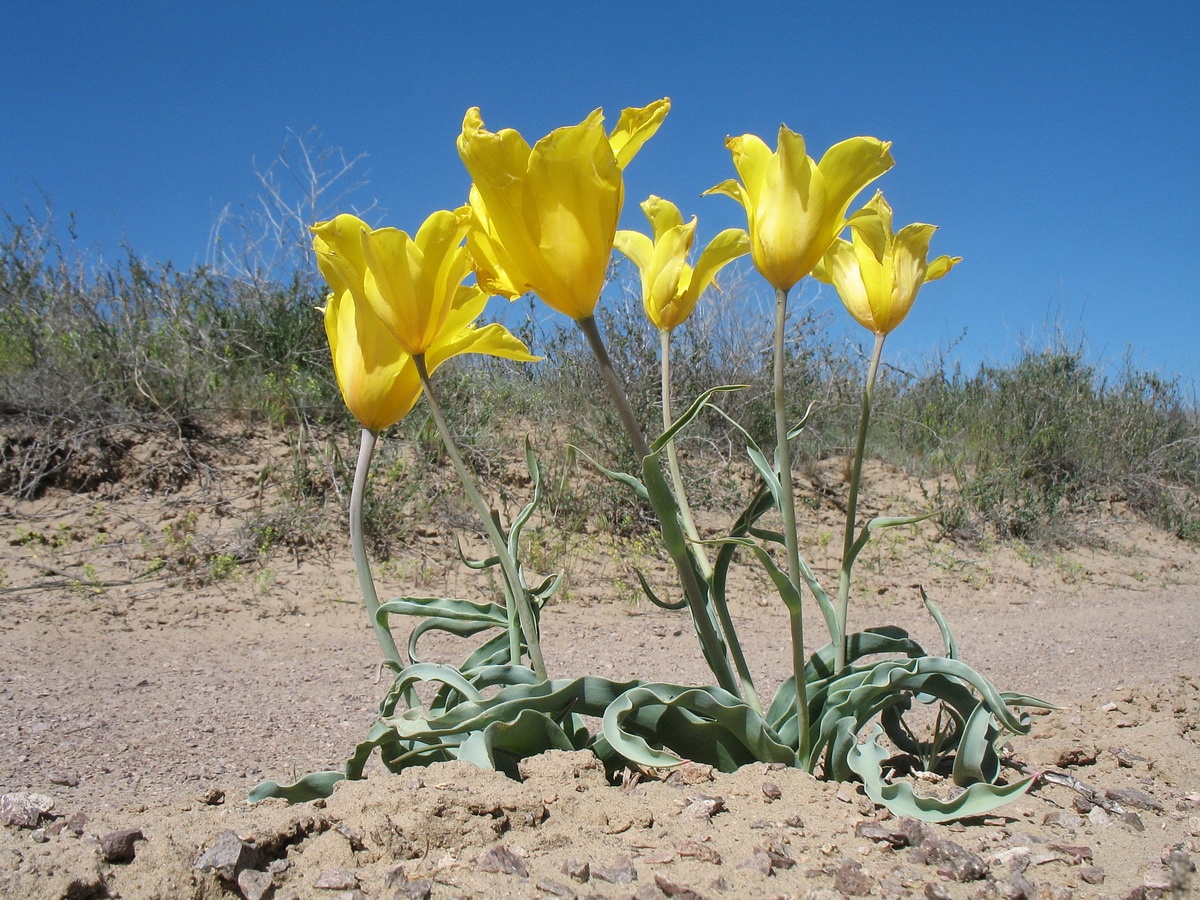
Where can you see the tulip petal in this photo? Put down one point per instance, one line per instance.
(461, 336)
(393, 298)
(636, 246)
(662, 214)
(378, 380)
(576, 184)
(488, 258)
(821, 269)
(751, 157)
(498, 163)
(850, 166)
(550, 211)
(634, 127)
(731, 187)
(338, 247)
(394, 286)
(939, 267)
(667, 275)
(438, 238)
(878, 274)
(872, 230)
(493, 339)
(914, 240)
(721, 250)
(909, 249)
(841, 266)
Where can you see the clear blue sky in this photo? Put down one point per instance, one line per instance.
(1056, 144)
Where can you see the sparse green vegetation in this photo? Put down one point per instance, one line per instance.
(93, 352)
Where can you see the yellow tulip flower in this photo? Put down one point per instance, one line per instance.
(544, 217)
(411, 283)
(795, 206)
(878, 273)
(671, 287)
(376, 374)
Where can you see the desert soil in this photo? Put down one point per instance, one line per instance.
(156, 667)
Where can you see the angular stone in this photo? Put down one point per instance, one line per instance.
(1078, 754)
(759, 862)
(1072, 853)
(336, 879)
(674, 889)
(659, 857)
(228, 856)
(779, 860)
(419, 889)
(1092, 875)
(406, 889)
(1063, 819)
(577, 869)
(500, 859)
(691, 773)
(1015, 858)
(118, 846)
(1134, 798)
(1018, 888)
(915, 831)
(850, 879)
(700, 852)
(253, 884)
(935, 891)
(955, 861)
(25, 810)
(620, 872)
(702, 807)
(891, 834)
(771, 791)
(554, 889)
(1126, 759)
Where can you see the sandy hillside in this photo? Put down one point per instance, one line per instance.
(157, 665)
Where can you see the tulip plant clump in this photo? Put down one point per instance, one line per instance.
(543, 220)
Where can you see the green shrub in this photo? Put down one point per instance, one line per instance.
(88, 347)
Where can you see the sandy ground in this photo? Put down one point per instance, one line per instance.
(155, 668)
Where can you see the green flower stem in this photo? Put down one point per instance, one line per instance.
(673, 535)
(843, 604)
(362, 566)
(689, 526)
(803, 738)
(616, 390)
(516, 596)
(783, 455)
(685, 510)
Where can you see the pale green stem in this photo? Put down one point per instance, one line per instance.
(685, 510)
(803, 748)
(689, 525)
(860, 446)
(516, 597)
(673, 536)
(616, 390)
(787, 512)
(362, 566)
